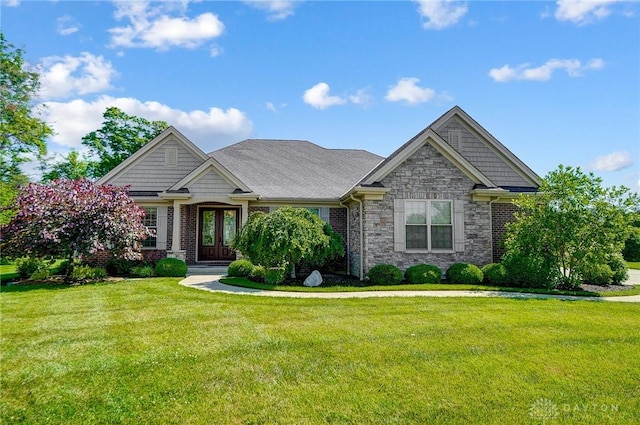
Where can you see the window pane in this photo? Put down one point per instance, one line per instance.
(208, 228)
(150, 216)
(229, 230)
(416, 212)
(441, 237)
(416, 237)
(440, 212)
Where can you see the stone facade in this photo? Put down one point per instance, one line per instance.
(425, 175)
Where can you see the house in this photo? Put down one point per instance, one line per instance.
(442, 197)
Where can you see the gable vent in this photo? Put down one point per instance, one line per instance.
(171, 157)
(454, 139)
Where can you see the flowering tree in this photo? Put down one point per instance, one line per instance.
(70, 218)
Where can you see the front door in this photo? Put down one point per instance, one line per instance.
(217, 228)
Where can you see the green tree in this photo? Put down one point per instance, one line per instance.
(22, 134)
(119, 137)
(571, 224)
(72, 167)
(286, 237)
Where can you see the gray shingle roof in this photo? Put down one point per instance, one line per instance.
(295, 169)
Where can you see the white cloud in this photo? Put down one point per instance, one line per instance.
(407, 90)
(441, 14)
(67, 25)
(583, 12)
(207, 129)
(614, 161)
(573, 67)
(10, 3)
(216, 50)
(276, 9)
(62, 77)
(154, 27)
(318, 97)
(361, 97)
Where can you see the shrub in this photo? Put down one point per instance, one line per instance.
(119, 266)
(274, 275)
(4, 261)
(631, 251)
(61, 267)
(463, 273)
(423, 273)
(84, 272)
(596, 274)
(143, 271)
(240, 268)
(385, 274)
(619, 269)
(257, 273)
(530, 271)
(495, 274)
(171, 267)
(28, 266)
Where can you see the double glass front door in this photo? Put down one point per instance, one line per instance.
(217, 228)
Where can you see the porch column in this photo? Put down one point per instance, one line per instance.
(176, 250)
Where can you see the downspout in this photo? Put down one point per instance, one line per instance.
(361, 239)
(348, 238)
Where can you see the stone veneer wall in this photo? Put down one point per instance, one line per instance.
(426, 175)
(501, 215)
(353, 256)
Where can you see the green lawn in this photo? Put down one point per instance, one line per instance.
(633, 265)
(151, 351)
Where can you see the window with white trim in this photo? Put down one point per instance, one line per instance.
(151, 222)
(429, 225)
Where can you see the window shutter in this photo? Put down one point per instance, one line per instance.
(458, 226)
(161, 232)
(399, 230)
(324, 214)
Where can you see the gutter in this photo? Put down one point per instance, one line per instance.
(361, 239)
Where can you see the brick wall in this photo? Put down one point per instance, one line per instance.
(255, 209)
(189, 232)
(501, 215)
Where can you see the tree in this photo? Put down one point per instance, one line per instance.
(287, 236)
(119, 137)
(71, 218)
(22, 134)
(572, 224)
(72, 167)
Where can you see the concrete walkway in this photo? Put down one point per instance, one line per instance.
(212, 283)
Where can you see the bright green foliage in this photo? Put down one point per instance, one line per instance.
(619, 268)
(530, 271)
(257, 273)
(571, 222)
(286, 237)
(240, 268)
(171, 267)
(384, 274)
(423, 273)
(274, 275)
(88, 273)
(28, 266)
(119, 137)
(495, 274)
(72, 167)
(143, 271)
(463, 273)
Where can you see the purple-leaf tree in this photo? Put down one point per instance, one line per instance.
(72, 218)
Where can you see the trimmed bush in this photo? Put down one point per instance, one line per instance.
(495, 274)
(596, 274)
(423, 273)
(257, 273)
(619, 269)
(28, 266)
(274, 275)
(143, 271)
(631, 251)
(463, 273)
(171, 267)
(240, 268)
(385, 274)
(84, 272)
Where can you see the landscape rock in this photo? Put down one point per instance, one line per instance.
(314, 279)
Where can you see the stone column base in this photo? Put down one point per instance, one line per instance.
(180, 255)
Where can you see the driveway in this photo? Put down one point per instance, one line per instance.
(212, 283)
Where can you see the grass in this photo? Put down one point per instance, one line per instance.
(151, 351)
(633, 265)
(243, 282)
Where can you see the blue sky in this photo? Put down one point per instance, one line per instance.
(558, 82)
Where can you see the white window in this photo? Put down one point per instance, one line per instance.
(151, 221)
(428, 225)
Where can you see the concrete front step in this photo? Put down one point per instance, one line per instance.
(207, 270)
